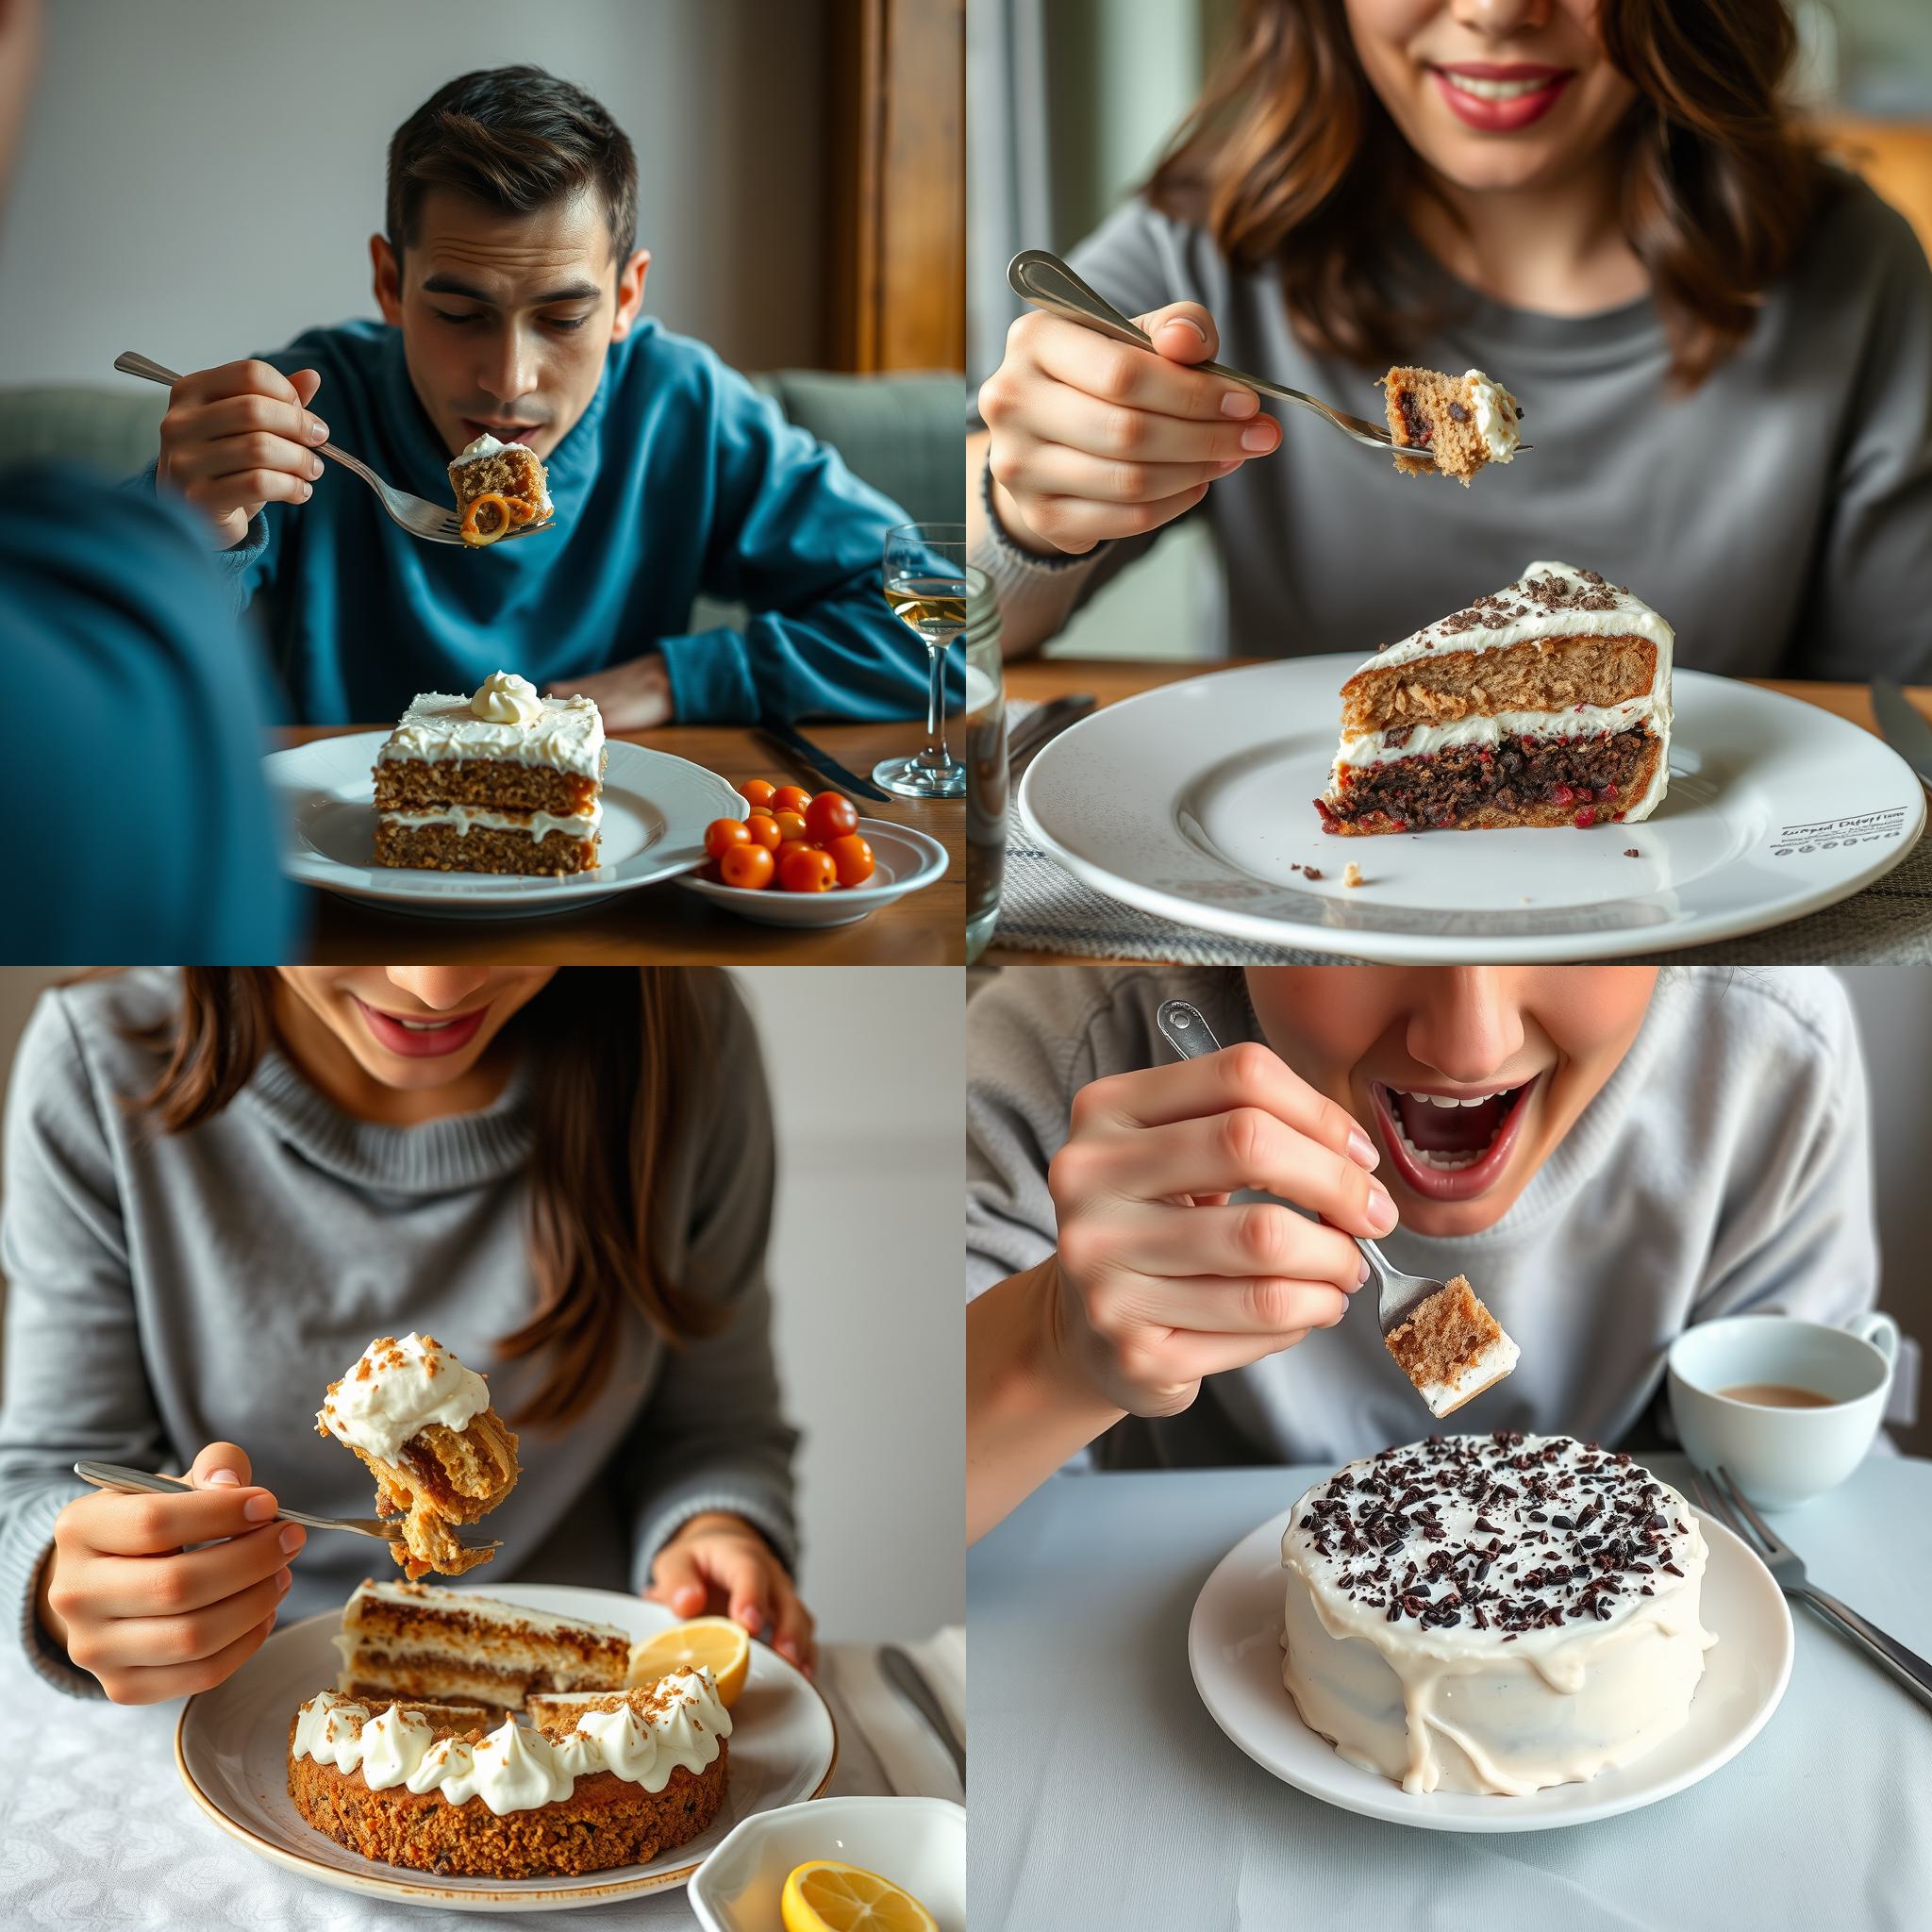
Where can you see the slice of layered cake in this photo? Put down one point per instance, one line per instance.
(440, 1454)
(500, 487)
(505, 782)
(1462, 420)
(1547, 704)
(415, 1642)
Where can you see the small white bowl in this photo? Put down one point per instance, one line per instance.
(919, 1843)
(903, 860)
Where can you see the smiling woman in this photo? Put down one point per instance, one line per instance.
(1606, 1154)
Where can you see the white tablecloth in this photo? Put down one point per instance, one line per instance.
(1119, 1804)
(96, 1828)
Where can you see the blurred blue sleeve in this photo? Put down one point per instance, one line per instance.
(156, 837)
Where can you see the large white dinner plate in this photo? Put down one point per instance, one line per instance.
(232, 1748)
(1234, 1649)
(1196, 801)
(656, 809)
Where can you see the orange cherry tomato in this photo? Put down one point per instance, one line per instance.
(808, 871)
(830, 816)
(757, 791)
(763, 830)
(791, 845)
(852, 857)
(749, 867)
(791, 798)
(721, 835)
(791, 825)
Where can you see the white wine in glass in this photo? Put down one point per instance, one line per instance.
(926, 577)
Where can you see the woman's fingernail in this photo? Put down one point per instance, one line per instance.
(306, 491)
(1362, 1151)
(292, 1537)
(1362, 1280)
(1381, 1208)
(1258, 436)
(1239, 403)
(223, 1479)
(318, 429)
(260, 1508)
(1194, 328)
(283, 1579)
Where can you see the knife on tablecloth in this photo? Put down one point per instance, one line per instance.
(905, 1677)
(815, 758)
(1904, 726)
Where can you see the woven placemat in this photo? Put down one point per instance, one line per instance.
(1043, 909)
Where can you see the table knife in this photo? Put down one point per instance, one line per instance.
(905, 1678)
(1031, 733)
(816, 760)
(1904, 726)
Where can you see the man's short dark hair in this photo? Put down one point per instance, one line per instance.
(517, 140)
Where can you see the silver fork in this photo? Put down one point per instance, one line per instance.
(1186, 1029)
(434, 522)
(1044, 280)
(112, 1476)
(1729, 1505)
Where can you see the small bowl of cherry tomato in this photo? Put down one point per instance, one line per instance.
(799, 857)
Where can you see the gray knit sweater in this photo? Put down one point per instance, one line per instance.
(169, 1291)
(1724, 1166)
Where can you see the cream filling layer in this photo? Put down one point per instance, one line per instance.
(1491, 1365)
(516, 1768)
(577, 825)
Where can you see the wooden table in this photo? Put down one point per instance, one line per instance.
(666, 925)
(1109, 679)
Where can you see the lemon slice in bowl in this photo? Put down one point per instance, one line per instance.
(822, 1896)
(715, 1643)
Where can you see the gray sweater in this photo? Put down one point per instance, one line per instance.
(169, 1291)
(1781, 516)
(1724, 1166)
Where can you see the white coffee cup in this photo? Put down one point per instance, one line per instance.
(1781, 1455)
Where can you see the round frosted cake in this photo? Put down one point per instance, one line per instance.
(1494, 1613)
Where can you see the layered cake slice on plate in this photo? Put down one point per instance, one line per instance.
(1547, 704)
(503, 782)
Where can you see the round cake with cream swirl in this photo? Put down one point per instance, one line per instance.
(1494, 1613)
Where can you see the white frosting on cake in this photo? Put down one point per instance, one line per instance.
(1530, 1655)
(488, 1611)
(397, 1388)
(515, 1767)
(1492, 1364)
(539, 825)
(1496, 415)
(1587, 606)
(487, 445)
(565, 733)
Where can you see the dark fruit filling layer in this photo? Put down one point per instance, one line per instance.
(1418, 428)
(1584, 776)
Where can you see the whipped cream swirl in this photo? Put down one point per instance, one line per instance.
(503, 698)
(397, 1388)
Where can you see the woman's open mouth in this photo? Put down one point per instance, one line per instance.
(1500, 98)
(1450, 1147)
(424, 1038)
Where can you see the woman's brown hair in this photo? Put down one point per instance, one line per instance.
(1288, 157)
(617, 1058)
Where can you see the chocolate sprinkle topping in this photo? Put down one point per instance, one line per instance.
(1381, 1522)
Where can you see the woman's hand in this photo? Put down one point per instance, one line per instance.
(1159, 1280)
(150, 1619)
(717, 1564)
(1092, 439)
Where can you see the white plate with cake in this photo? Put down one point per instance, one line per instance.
(402, 1744)
(1499, 1633)
(495, 805)
(1579, 799)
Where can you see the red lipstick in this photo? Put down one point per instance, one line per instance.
(430, 1038)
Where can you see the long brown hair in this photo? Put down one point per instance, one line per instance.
(1290, 159)
(617, 1057)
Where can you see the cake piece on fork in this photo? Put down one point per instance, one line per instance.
(440, 1454)
(1452, 1348)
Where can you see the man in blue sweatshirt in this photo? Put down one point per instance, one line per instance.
(133, 776)
(511, 292)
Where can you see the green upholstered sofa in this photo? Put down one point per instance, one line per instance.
(901, 433)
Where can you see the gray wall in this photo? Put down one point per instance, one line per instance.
(866, 1071)
(201, 178)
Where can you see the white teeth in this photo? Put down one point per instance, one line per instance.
(1495, 89)
(424, 1025)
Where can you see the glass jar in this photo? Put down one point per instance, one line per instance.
(986, 766)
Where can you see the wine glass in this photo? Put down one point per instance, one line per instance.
(926, 577)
